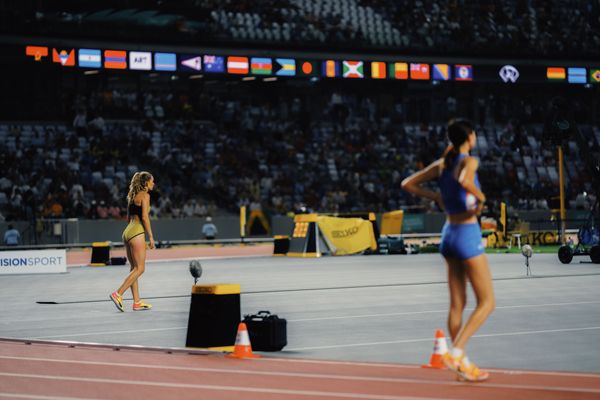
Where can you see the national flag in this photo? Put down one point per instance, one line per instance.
(419, 71)
(261, 66)
(331, 68)
(190, 63)
(90, 58)
(214, 63)
(237, 65)
(64, 57)
(398, 70)
(115, 59)
(594, 75)
(463, 72)
(378, 70)
(165, 62)
(556, 73)
(576, 75)
(140, 60)
(441, 72)
(285, 67)
(353, 69)
(308, 68)
(37, 52)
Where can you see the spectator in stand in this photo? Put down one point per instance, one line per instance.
(209, 230)
(102, 210)
(93, 210)
(52, 208)
(188, 208)
(200, 210)
(12, 237)
(114, 211)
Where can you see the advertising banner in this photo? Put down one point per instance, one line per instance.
(347, 235)
(33, 262)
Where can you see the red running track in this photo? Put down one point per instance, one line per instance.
(43, 371)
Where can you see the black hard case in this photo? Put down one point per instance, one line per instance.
(267, 331)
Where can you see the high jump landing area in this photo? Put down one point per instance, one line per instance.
(359, 327)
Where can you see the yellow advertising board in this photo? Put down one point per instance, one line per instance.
(347, 235)
(391, 222)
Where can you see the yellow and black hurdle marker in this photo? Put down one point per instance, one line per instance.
(214, 316)
(100, 254)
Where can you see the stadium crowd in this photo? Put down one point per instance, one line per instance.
(212, 153)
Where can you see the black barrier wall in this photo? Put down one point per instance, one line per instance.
(88, 231)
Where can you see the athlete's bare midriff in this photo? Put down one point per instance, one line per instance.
(466, 217)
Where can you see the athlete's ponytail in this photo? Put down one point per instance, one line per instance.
(458, 133)
(138, 183)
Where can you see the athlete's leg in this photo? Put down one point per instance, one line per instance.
(134, 286)
(457, 283)
(137, 253)
(479, 275)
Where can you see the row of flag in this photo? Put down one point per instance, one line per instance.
(573, 74)
(239, 65)
(147, 61)
(398, 70)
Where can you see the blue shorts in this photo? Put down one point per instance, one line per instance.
(461, 241)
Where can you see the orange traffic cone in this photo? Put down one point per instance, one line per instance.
(243, 348)
(439, 349)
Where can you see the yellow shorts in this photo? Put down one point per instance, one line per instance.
(133, 229)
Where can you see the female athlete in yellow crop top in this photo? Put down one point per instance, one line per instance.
(138, 208)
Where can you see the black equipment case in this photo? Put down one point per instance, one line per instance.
(267, 331)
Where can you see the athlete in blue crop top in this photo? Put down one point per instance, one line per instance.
(461, 198)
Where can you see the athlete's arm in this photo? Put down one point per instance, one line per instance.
(146, 218)
(412, 184)
(467, 178)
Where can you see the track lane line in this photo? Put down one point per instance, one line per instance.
(518, 333)
(41, 397)
(312, 393)
(306, 375)
(361, 316)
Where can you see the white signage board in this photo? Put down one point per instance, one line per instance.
(33, 262)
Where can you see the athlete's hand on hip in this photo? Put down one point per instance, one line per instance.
(479, 207)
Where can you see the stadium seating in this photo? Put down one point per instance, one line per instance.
(513, 27)
(272, 154)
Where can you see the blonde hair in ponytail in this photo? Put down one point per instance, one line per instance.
(138, 184)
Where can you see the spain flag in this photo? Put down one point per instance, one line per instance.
(378, 70)
(556, 73)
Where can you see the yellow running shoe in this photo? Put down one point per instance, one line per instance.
(451, 362)
(472, 373)
(466, 371)
(141, 306)
(118, 300)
